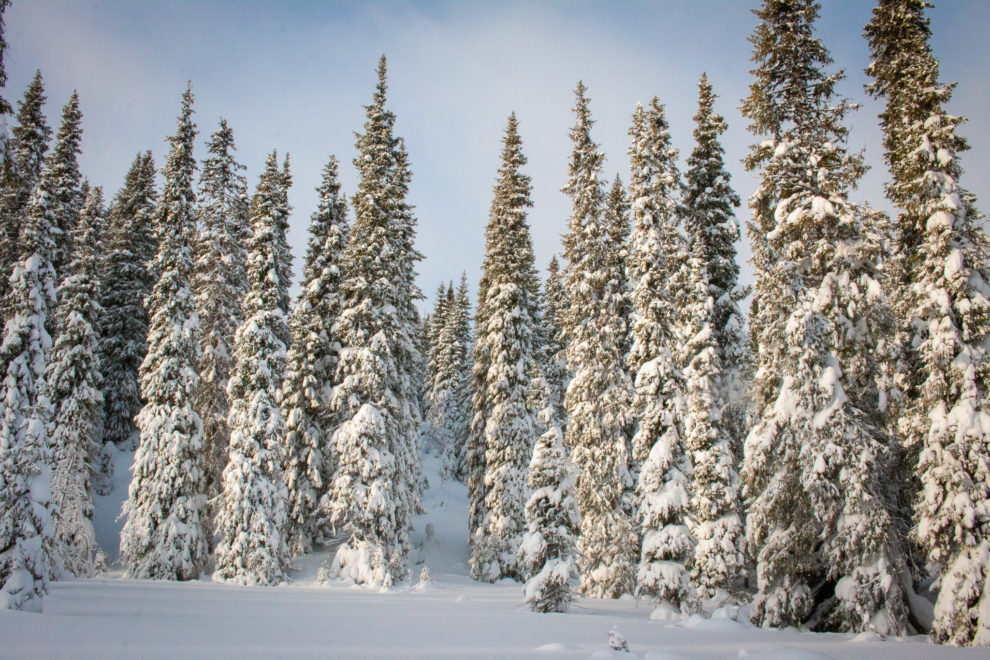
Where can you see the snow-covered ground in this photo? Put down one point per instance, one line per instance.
(451, 616)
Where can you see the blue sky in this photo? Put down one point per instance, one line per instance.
(295, 76)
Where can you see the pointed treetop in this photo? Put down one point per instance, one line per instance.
(617, 191)
(70, 132)
(4, 106)
(581, 106)
(382, 86)
(187, 98)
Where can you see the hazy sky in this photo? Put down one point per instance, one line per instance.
(296, 75)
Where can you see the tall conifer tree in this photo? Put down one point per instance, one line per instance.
(597, 400)
(67, 197)
(164, 536)
(555, 361)
(220, 284)
(312, 366)
(251, 511)
(508, 338)
(655, 265)
(813, 463)
(656, 255)
(715, 356)
(461, 426)
(938, 278)
(5, 108)
(73, 382)
(714, 506)
(284, 252)
(376, 486)
(26, 526)
(19, 173)
(617, 210)
(123, 329)
(710, 224)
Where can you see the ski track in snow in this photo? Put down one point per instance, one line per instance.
(450, 617)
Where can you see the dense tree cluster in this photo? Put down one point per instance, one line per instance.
(620, 426)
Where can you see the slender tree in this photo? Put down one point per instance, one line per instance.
(26, 525)
(73, 383)
(67, 199)
(164, 536)
(5, 108)
(123, 329)
(655, 259)
(655, 265)
(937, 278)
(597, 399)
(818, 514)
(555, 361)
(24, 157)
(710, 223)
(284, 252)
(456, 461)
(448, 404)
(715, 356)
(376, 486)
(617, 214)
(312, 365)
(438, 319)
(508, 339)
(220, 284)
(714, 506)
(251, 511)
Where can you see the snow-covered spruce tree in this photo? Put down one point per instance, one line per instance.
(714, 506)
(410, 360)
(939, 293)
(667, 545)
(219, 283)
(438, 318)
(655, 258)
(456, 461)
(617, 210)
(474, 458)
(19, 174)
(374, 401)
(509, 338)
(441, 365)
(251, 509)
(311, 367)
(555, 361)
(164, 536)
(655, 265)
(448, 409)
(813, 472)
(283, 251)
(597, 400)
(67, 199)
(5, 108)
(73, 382)
(710, 223)
(27, 558)
(617, 217)
(547, 553)
(123, 331)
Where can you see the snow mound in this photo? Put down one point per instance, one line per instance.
(784, 653)
(558, 647)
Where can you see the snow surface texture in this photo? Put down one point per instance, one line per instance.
(451, 616)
